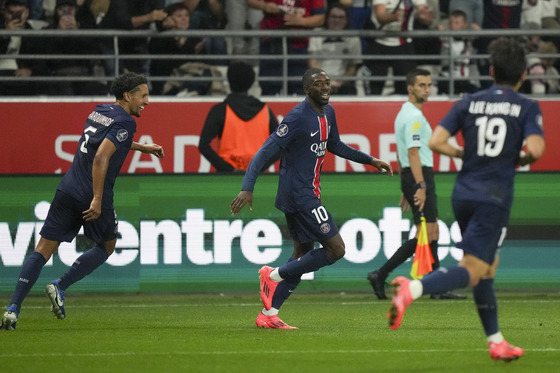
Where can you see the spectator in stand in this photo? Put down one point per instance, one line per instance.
(474, 10)
(65, 18)
(130, 15)
(209, 15)
(551, 20)
(532, 14)
(427, 19)
(15, 14)
(241, 123)
(35, 9)
(497, 15)
(392, 15)
(460, 48)
(241, 17)
(542, 66)
(282, 15)
(551, 14)
(326, 52)
(178, 18)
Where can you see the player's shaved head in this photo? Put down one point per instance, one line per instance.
(307, 78)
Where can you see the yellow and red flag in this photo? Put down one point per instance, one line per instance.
(423, 259)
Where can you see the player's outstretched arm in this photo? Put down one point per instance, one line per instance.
(243, 198)
(154, 149)
(382, 166)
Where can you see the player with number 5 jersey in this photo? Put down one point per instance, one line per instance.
(84, 197)
(303, 138)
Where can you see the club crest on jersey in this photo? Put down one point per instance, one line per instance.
(282, 130)
(325, 228)
(122, 135)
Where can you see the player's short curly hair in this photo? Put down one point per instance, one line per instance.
(127, 82)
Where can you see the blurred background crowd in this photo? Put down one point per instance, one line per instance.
(187, 65)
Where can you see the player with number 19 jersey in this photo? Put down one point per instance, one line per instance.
(106, 121)
(494, 123)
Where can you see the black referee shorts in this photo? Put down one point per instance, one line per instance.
(409, 187)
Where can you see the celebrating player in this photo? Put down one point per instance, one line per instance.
(303, 137)
(494, 123)
(84, 196)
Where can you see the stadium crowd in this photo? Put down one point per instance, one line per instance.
(206, 58)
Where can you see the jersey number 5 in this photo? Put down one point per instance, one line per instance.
(83, 147)
(491, 136)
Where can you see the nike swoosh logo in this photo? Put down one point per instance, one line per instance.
(314, 133)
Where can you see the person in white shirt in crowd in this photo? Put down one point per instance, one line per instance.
(328, 53)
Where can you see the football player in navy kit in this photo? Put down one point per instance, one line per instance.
(495, 123)
(303, 138)
(84, 196)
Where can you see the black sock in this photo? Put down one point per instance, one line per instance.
(399, 257)
(434, 249)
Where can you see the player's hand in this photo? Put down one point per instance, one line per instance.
(403, 204)
(382, 166)
(94, 210)
(420, 198)
(154, 149)
(243, 198)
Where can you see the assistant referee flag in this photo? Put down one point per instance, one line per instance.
(423, 258)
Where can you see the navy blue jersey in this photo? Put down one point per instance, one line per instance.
(106, 121)
(494, 123)
(502, 14)
(304, 137)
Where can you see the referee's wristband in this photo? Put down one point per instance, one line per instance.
(421, 185)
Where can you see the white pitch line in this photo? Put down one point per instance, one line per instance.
(260, 352)
(257, 303)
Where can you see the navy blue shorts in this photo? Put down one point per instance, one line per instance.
(409, 187)
(65, 219)
(483, 227)
(312, 224)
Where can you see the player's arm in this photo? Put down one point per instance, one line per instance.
(439, 143)
(154, 149)
(345, 151)
(535, 150)
(99, 171)
(268, 151)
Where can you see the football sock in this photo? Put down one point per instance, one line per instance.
(434, 249)
(271, 312)
(415, 287)
(495, 338)
(399, 257)
(445, 279)
(486, 305)
(83, 266)
(28, 275)
(275, 276)
(284, 290)
(310, 262)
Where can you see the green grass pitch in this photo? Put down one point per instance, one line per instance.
(338, 332)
